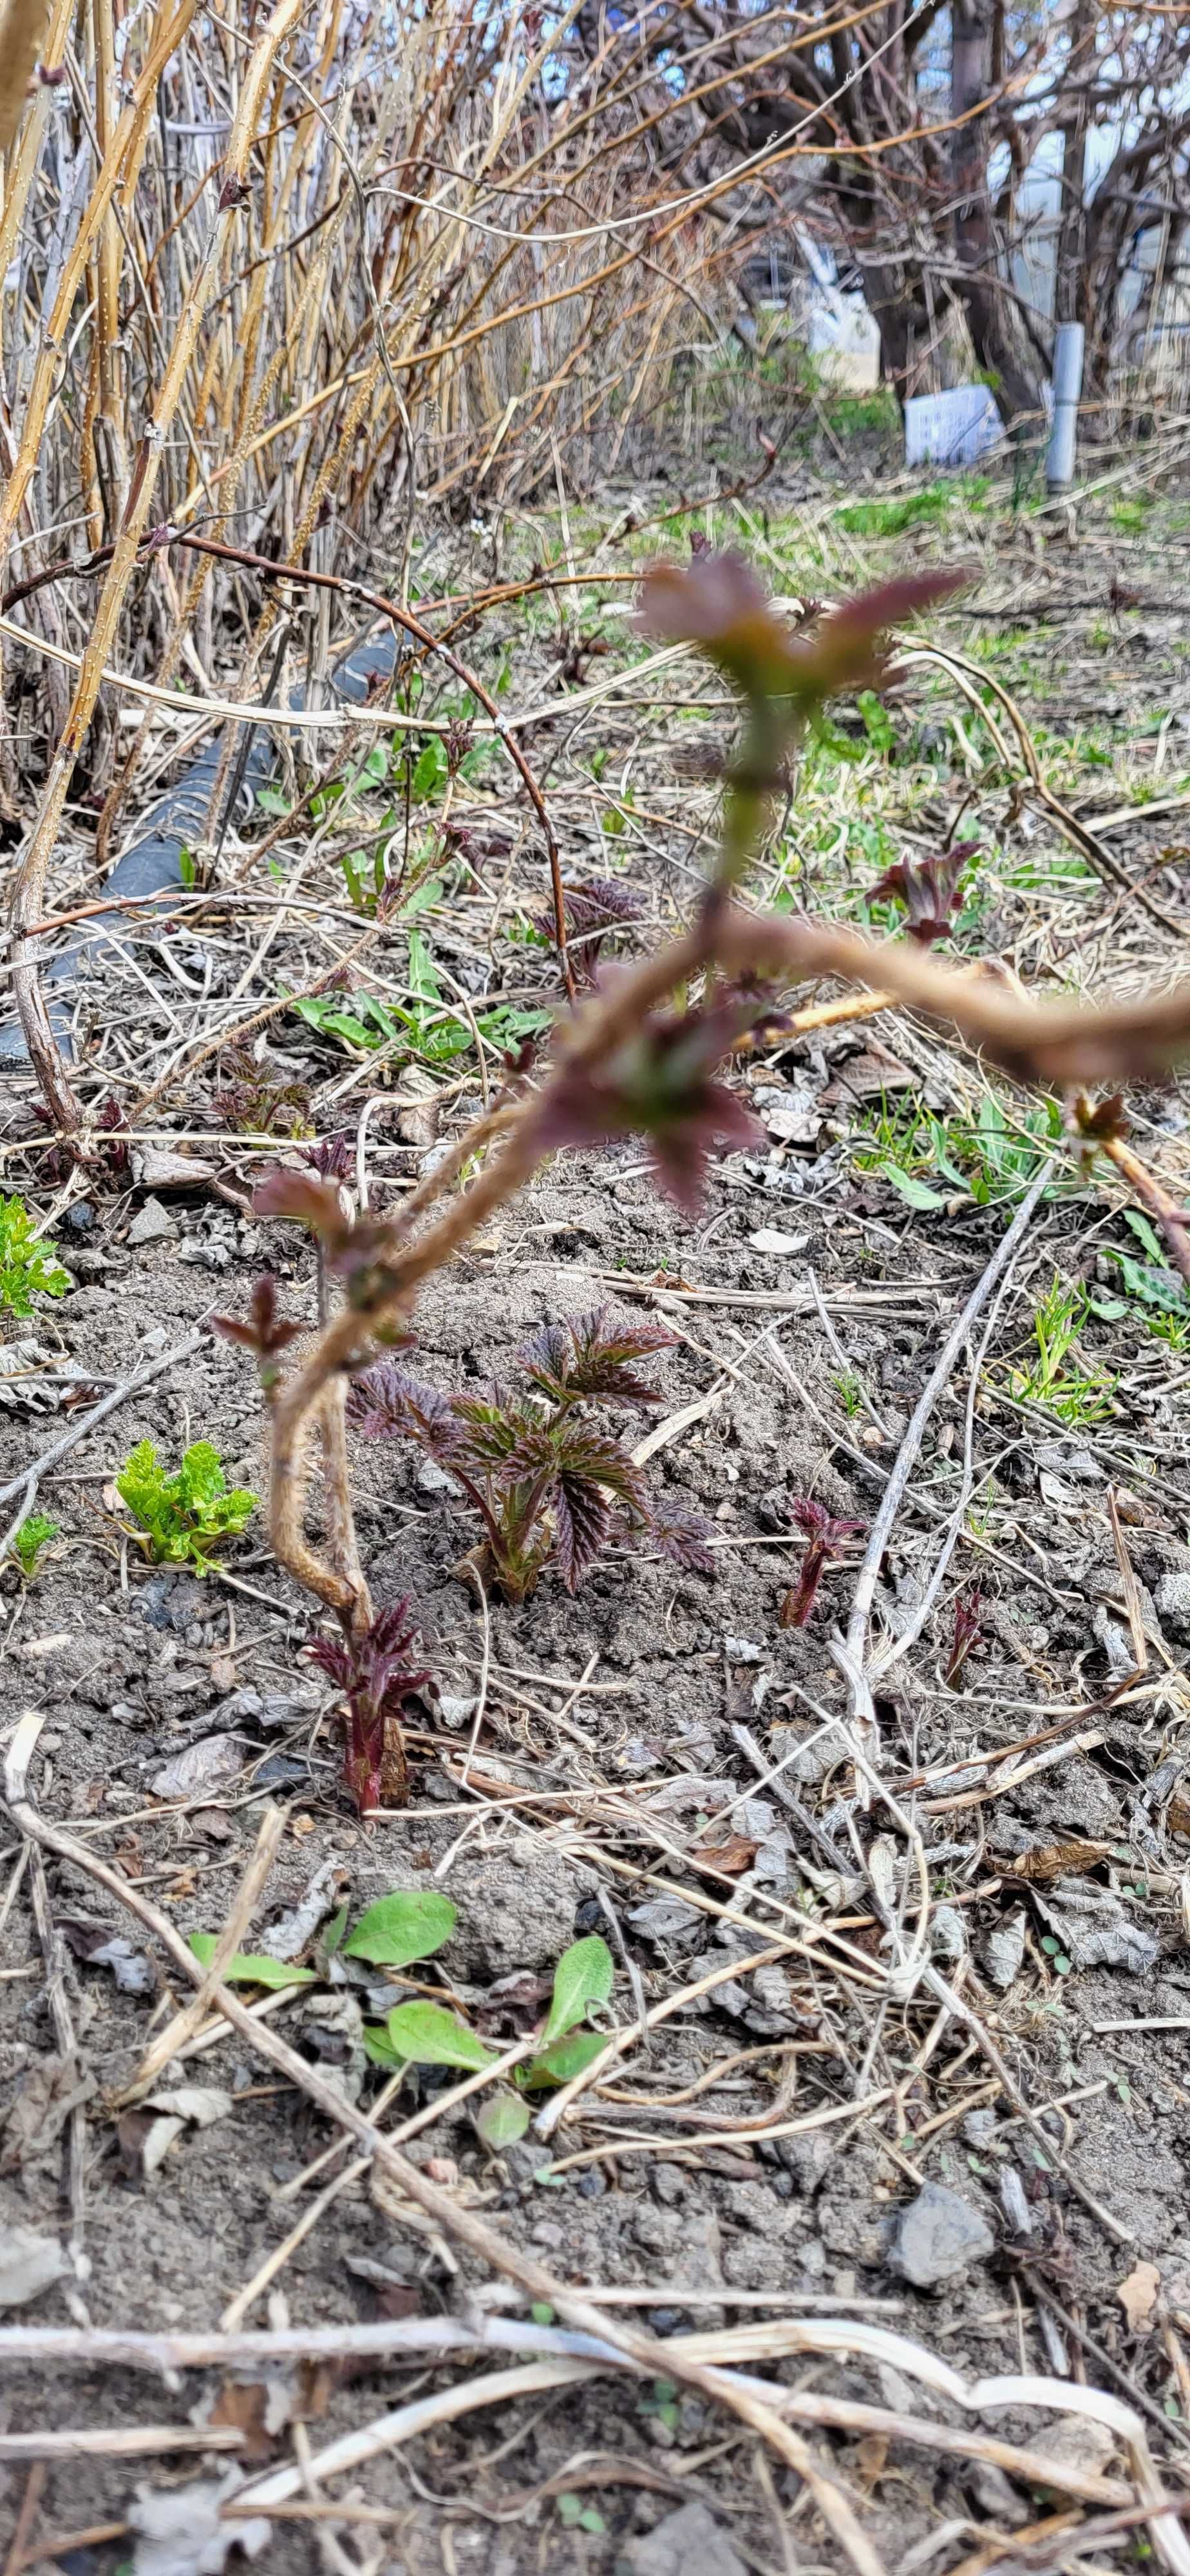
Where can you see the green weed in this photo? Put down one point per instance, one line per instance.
(28, 1268)
(1075, 1394)
(850, 1392)
(184, 1517)
(994, 1159)
(28, 1542)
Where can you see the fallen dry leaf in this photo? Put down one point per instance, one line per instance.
(38, 2114)
(732, 1857)
(164, 1167)
(28, 2264)
(1052, 1860)
(866, 1077)
(213, 1758)
(1138, 2295)
(100, 1947)
(180, 2530)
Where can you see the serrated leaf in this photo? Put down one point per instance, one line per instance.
(583, 1976)
(409, 1924)
(502, 2121)
(428, 2036)
(917, 1194)
(245, 1970)
(569, 2056)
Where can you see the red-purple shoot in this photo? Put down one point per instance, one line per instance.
(377, 1676)
(825, 1536)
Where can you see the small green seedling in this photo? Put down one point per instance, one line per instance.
(184, 1517)
(28, 1268)
(28, 1542)
(849, 1389)
(574, 2515)
(425, 2034)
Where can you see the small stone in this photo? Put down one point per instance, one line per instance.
(938, 2237)
(433, 1479)
(81, 1217)
(979, 2127)
(687, 2543)
(152, 1224)
(1173, 1602)
(667, 2184)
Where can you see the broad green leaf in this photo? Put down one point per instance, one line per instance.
(915, 1192)
(246, 1971)
(569, 2056)
(583, 1976)
(379, 2048)
(431, 2037)
(428, 892)
(409, 1924)
(502, 2121)
(430, 768)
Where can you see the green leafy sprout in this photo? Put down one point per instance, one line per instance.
(28, 1268)
(29, 1540)
(184, 1517)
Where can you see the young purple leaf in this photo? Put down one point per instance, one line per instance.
(385, 1403)
(658, 1085)
(577, 1473)
(353, 1247)
(683, 1536)
(824, 1535)
(594, 909)
(263, 1331)
(582, 1358)
(929, 890)
(333, 1156)
(456, 743)
(377, 1677)
(317, 1204)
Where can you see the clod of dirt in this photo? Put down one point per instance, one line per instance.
(937, 2237)
(686, 2541)
(28, 2264)
(518, 1910)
